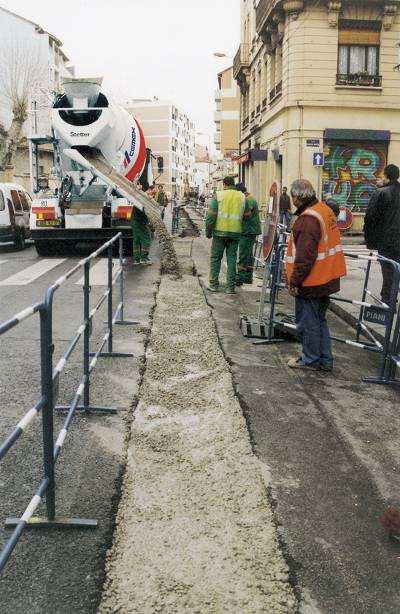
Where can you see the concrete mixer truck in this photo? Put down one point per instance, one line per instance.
(99, 155)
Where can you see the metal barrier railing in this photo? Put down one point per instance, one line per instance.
(50, 384)
(385, 312)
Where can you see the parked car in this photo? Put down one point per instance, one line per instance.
(15, 207)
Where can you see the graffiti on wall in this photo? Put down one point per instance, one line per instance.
(351, 171)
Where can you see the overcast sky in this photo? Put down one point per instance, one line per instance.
(145, 48)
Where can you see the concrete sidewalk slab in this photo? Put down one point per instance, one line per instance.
(332, 446)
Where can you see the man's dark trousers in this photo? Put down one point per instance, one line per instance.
(312, 324)
(387, 276)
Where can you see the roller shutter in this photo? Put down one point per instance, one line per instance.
(351, 170)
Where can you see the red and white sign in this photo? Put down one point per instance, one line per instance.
(273, 216)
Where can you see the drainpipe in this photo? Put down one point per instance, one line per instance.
(301, 110)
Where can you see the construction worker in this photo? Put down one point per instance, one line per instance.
(162, 199)
(314, 265)
(251, 228)
(141, 237)
(224, 224)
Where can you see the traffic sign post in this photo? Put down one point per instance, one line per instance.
(318, 160)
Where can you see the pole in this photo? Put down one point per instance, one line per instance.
(121, 279)
(46, 360)
(86, 335)
(110, 299)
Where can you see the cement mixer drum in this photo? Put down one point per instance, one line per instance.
(83, 117)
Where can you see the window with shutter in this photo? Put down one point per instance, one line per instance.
(358, 53)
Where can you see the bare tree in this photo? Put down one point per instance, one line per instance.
(22, 75)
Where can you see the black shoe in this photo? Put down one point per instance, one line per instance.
(326, 367)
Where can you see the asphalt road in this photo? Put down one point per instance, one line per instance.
(57, 571)
(332, 447)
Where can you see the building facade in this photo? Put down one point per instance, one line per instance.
(227, 124)
(226, 117)
(171, 134)
(202, 170)
(318, 78)
(23, 40)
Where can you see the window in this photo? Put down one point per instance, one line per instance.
(24, 201)
(357, 59)
(2, 203)
(358, 53)
(15, 200)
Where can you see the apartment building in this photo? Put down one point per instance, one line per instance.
(21, 40)
(318, 78)
(226, 117)
(171, 134)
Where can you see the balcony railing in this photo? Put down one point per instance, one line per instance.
(245, 122)
(258, 108)
(241, 59)
(359, 80)
(264, 103)
(263, 10)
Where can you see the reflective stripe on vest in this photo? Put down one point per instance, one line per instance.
(330, 263)
(231, 205)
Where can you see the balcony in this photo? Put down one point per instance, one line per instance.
(217, 116)
(266, 8)
(359, 80)
(241, 60)
(217, 138)
(245, 123)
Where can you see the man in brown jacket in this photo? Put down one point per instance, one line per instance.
(314, 265)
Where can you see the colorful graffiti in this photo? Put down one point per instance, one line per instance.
(351, 172)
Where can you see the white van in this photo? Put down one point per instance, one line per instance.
(15, 207)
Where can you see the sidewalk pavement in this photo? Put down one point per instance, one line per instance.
(331, 444)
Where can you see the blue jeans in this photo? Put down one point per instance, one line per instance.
(286, 218)
(312, 324)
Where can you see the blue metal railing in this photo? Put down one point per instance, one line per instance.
(49, 387)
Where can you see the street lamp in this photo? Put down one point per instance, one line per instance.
(220, 54)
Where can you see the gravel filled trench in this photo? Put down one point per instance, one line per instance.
(195, 531)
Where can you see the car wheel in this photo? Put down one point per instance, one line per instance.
(19, 239)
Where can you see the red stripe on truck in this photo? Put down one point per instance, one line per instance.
(141, 159)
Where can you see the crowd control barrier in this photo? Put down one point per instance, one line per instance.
(50, 377)
(272, 326)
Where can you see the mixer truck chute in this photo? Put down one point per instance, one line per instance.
(99, 151)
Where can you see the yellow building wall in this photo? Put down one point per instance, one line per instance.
(312, 102)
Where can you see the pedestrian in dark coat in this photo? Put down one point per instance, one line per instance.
(382, 225)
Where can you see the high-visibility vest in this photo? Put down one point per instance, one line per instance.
(330, 263)
(231, 204)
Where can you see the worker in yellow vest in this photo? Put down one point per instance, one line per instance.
(224, 224)
(314, 265)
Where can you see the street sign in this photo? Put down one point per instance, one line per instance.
(313, 143)
(272, 222)
(345, 219)
(376, 315)
(318, 158)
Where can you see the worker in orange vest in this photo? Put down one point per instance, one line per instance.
(314, 265)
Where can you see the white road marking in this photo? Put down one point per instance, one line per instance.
(99, 273)
(29, 275)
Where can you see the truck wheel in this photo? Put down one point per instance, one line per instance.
(44, 249)
(19, 239)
